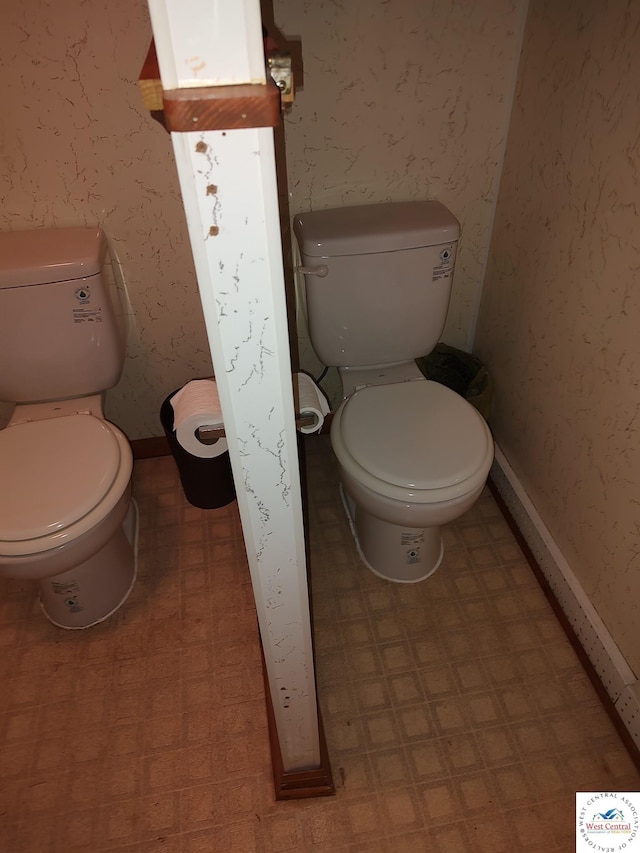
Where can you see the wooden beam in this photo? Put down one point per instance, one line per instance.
(228, 183)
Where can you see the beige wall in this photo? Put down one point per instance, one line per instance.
(405, 100)
(78, 148)
(561, 307)
(402, 100)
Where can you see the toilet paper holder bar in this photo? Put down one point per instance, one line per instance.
(210, 434)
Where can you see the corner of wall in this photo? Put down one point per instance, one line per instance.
(521, 27)
(617, 677)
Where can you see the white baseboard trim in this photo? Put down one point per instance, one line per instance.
(614, 672)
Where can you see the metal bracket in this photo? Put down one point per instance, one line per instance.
(281, 70)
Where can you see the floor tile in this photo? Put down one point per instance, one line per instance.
(456, 711)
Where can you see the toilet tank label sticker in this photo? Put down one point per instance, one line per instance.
(444, 268)
(71, 594)
(84, 313)
(411, 542)
(87, 315)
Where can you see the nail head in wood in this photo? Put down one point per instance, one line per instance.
(222, 107)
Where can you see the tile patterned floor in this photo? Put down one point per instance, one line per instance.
(457, 715)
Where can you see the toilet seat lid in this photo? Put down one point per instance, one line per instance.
(416, 435)
(54, 472)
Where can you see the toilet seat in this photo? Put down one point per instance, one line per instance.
(61, 476)
(414, 441)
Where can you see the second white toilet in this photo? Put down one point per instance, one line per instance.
(413, 455)
(67, 518)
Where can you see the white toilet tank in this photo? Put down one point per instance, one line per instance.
(377, 279)
(61, 330)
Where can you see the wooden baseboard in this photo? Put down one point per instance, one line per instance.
(148, 448)
(316, 782)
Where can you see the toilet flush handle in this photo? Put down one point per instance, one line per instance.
(321, 270)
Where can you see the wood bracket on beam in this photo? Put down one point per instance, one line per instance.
(222, 107)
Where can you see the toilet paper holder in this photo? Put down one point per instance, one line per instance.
(210, 434)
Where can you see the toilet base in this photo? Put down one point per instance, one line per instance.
(92, 591)
(391, 551)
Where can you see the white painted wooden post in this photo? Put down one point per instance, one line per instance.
(229, 192)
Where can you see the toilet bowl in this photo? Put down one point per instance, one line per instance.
(412, 456)
(66, 514)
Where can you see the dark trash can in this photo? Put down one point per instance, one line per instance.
(463, 373)
(207, 483)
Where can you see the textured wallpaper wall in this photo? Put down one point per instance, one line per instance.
(561, 308)
(405, 100)
(402, 100)
(78, 148)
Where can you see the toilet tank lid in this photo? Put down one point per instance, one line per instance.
(47, 255)
(371, 228)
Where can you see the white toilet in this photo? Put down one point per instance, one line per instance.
(413, 455)
(66, 514)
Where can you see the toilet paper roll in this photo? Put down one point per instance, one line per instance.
(197, 405)
(309, 400)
